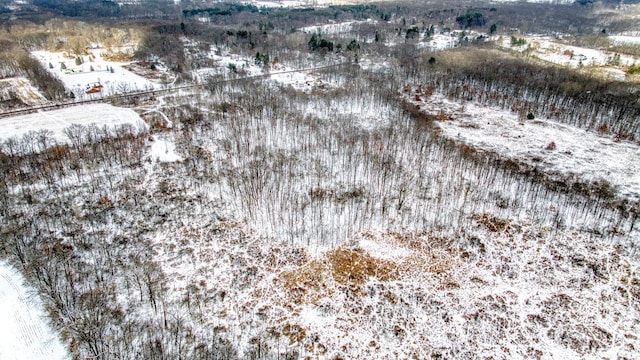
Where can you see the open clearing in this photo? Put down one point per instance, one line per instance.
(25, 332)
(602, 62)
(56, 121)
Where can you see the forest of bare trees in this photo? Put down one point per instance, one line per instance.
(272, 177)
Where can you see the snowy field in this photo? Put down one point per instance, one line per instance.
(560, 150)
(80, 79)
(304, 3)
(336, 28)
(280, 3)
(56, 121)
(539, 1)
(440, 42)
(545, 48)
(25, 333)
(625, 39)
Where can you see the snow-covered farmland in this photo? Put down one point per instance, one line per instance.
(440, 42)
(539, 1)
(95, 76)
(25, 333)
(449, 40)
(57, 123)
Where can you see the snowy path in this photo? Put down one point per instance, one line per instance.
(24, 331)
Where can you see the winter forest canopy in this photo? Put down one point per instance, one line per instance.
(306, 179)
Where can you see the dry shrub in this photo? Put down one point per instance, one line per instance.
(308, 282)
(56, 152)
(443, 116)
(493, 223)
(295, 333)
(117, 56)
(350, 268)
(430, 254)
(105, 203)
(156, 122)
(319, 193)
(342, 266)
(355, 266)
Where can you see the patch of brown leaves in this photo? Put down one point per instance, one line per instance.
(492, 223)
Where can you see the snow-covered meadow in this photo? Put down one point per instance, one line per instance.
(611, 64)
(279, 3)
(39, 131)
(338, 28)
(26, 332)
(626, 39)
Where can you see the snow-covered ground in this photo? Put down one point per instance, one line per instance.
(25, 333)
(560, 150)
(625, 39)
(556, 52)
(245, 67)
(539, 1)
(56, 121)
(375, 64)
(440, 42)
(496, 281)
(163, 150)
(279, 3)
(335, 28)
(449, 40)
(22, 90)
(303, 3)
(514, 292)
(80, 79)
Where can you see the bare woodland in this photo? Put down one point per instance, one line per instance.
(279, 190)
